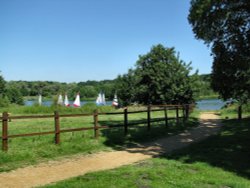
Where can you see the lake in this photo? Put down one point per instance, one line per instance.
(210, 104)
(49, 103)
(206, 104)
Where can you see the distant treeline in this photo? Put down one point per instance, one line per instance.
(90, 89)
(203, 88)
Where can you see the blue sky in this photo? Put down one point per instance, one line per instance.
(80, 40)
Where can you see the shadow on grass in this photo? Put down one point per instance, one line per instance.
(137, 134)
(230, 149)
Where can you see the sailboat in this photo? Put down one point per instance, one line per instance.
(115, 101)
(40, 99)
(101, 99)
(77, 102)
(66, 100)
(60, 100)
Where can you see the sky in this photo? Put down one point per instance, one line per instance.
(80, 40)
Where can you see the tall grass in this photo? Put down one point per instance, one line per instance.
(231, 111)
(36, 109)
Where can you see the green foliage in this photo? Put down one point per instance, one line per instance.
(160, 77)
(235, 73)
(229, 111)
(225, 25)
(202, 87)
(125, 88)
(88, 89)
(2, 85)
(4, 101)
(14, 95)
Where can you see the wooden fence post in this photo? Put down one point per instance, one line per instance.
(166, 116)
(126, 121)
(57, 127)
(149, 118)
(240, 112)
(187, 110)
(96, 130)
(5, 131)
(177, 115)
(184, 113)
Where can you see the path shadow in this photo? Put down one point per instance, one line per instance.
(230, 149)
(139, 135)
(177, 140)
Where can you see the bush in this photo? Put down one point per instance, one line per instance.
(14, 96)
(4, 101)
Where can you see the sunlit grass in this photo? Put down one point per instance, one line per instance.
(219, 161)
(31, 150)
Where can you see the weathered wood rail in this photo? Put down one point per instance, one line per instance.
(6, 117)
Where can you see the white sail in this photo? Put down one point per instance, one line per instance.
(103, 99)
(77, 102)
(115, 101)
(98, 99)
(40, 99)
(66, 100)
(60, 100)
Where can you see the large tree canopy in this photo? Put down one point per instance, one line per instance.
(3, 98)
(225, 25)
(2, 84)
(160, 77)
(227, 21)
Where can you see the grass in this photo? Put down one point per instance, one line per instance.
(212, 96)
(229, 150)
(36, 109)
(219, 161)
(31, 150)
(230, 112)
(158, 173)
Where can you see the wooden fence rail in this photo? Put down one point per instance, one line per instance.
(57, 129)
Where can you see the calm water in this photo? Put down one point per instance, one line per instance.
(48, 103)
(207, 104)
(210, 104)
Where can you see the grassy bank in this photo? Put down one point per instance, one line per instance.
(204, 97)
(36, 109)
(31, 150)
(231, 111)
(220, 161)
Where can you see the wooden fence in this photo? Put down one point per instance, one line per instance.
(6, 117)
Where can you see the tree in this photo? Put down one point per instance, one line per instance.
(163, 77)
(225, 25)
(2, 85)
(3, 98)
(125, 87)
(202, 87)
(14, 95)
(160, 77)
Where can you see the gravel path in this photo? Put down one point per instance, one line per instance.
(53, 171)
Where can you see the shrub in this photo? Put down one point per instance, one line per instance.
(4, 101)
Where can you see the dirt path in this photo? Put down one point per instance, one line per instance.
(53, 171)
